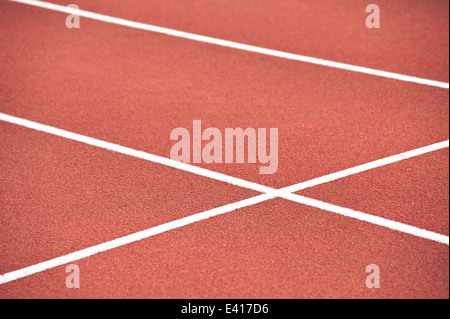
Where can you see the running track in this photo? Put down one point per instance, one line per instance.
(85, 120)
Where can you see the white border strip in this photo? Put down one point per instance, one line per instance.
(233, 45)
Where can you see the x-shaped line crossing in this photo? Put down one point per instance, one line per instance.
(268, 193)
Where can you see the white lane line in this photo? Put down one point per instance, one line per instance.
(366, 167)
(90, 251)
(134, 153)
(232, 44)
(380, 221)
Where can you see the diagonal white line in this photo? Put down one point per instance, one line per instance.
(283, 192)
(93, 250)
(134, 153)
(233, 45)
(365, 167)
(376, 220)
(214, 175)
(269, 193)
(80, 254)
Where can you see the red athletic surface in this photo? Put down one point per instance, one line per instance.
(134, 87)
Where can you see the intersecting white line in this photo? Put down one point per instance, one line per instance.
(134, 153)
(376, 220)
(232, 44)
(367, 166)
(83, 253)
(268, 193)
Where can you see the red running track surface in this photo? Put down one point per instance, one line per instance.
(133, 88)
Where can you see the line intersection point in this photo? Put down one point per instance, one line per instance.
(268, 193)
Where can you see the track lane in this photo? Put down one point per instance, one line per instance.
(167, 83)
(89, 94)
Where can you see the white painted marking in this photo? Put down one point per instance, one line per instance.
(90, 251)
(404, 228)
(131, 152)
(365, 167)
(233, 45)
(269, 193)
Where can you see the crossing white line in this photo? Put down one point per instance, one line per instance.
(214, 175)
(134, 153)
(58, 261)
(368, 166)
(232, 44)
(376, 220)
(268, 193)
(93, 250)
